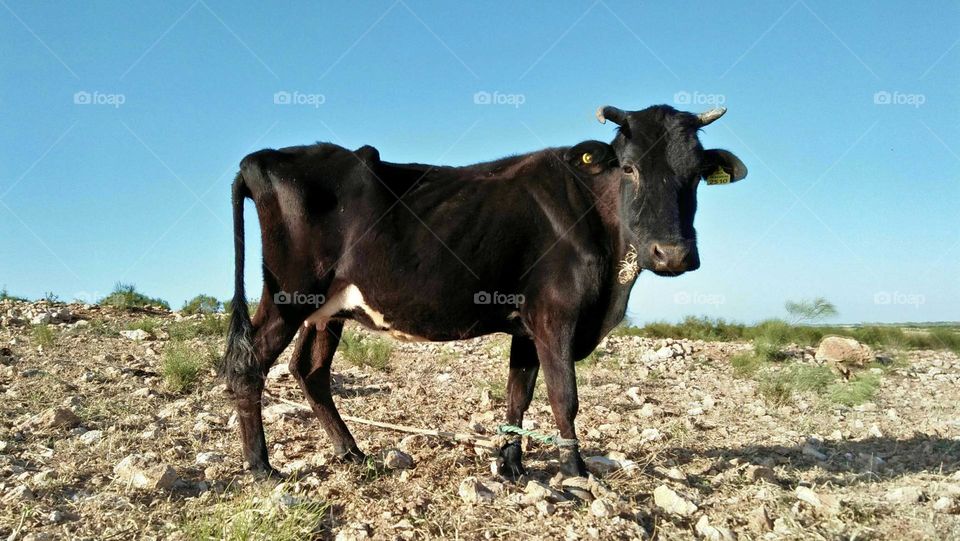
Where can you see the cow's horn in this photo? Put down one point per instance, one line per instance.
(614, 114)
(707, 117)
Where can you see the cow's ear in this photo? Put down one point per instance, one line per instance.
(722, 167)
(593, 157)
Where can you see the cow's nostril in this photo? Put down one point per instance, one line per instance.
(659, 255)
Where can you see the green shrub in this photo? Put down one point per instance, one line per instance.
(363, 350)
(6, 296)
(42, 335)
(244, 517)
(858, 390)
(201, 304)
(209, 325)
(777, 386)
(126, 297)
(183, 364)
(149, 324)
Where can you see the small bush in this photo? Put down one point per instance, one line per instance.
(150, 325)
(126, 297)
(362, 350)
(42, 335)
(6, 296)
(779, 385)
(745, 364)
(209, 325)
(201, 304)
(858, 390)
(103, 327)
(240, 518)
(183, 364)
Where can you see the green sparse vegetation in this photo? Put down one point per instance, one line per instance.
(201, 304)
(103, 327)
(183, 364)
(239, 518)
(150, 325)
(6, 296)
(42, 335)
(208, 325)
(858, 390)
(810, 310)
(362, 350)
(126, 297)
(51, 297)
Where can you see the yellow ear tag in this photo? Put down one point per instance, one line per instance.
(718, 177)
(587, 157)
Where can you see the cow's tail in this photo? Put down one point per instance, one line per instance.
(240, 369)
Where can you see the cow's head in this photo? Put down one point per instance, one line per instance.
(661, 157)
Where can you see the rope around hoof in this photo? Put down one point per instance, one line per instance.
(534, 435)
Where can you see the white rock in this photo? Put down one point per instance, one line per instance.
(136, 471)
(279, 371)
(634, 394)
(904, 495)
(55, 418)
(472, 491)
(713, 533)
(822, 502)
(944, 504)
(91, 438)
(651, 434)
(665, 353)
(137, 335)
(208, 458)
(600, 465)
(536, 491)
(276, 412)
(665, 498)
(397, 460)
(602, 508)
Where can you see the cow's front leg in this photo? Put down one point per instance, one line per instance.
(520, 385)
(556, 360)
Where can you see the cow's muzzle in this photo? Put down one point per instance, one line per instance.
(673, 258)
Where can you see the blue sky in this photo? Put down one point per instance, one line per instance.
(852, 195)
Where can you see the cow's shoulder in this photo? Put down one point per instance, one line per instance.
(591, 157)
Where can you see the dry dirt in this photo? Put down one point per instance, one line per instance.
(739, 466)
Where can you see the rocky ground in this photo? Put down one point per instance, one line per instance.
(96, 444)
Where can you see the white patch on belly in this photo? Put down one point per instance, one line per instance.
(350, 298)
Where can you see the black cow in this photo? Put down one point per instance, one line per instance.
(543, 246)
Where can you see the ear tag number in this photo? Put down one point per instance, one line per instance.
(718, 177)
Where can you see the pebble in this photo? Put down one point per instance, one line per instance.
(713, 533)
(601, 465)
(137, 335)
(136, 471)
(602, 508)
(821, 502)
(904, 495)
(91, 437)
(398, 460)
(474, 492)
(944, 504)
(667, 499)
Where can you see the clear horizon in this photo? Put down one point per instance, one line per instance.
(125, 124)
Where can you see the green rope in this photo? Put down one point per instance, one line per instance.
(511, 429)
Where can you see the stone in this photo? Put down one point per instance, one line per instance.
(634, 394)
(843, 353)
(55, 418)
(651, 434)
(664, 353)
(713, 533)
(276, 412)
(91, 437)
(136, 471)
(759, 520)
(546, 508)
(820, 502)
(667, 499)
(536, 491)
(137, 335)
(761, 473)
(398, 460)
(473, 492)
(578, 487)
(208, 458)
(602, 508)
(600, 465)
(904, 495)
(21, 493)
(279, 371)
(812, 452)
(944, 504)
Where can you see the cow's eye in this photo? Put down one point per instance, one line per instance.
(630, 171)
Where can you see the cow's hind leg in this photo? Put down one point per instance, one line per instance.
(271, 335)
(520, 385)
(311, 366)
(554, 352)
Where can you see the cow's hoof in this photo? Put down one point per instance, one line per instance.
(571, 465)
(509, 463)
(352, 456)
